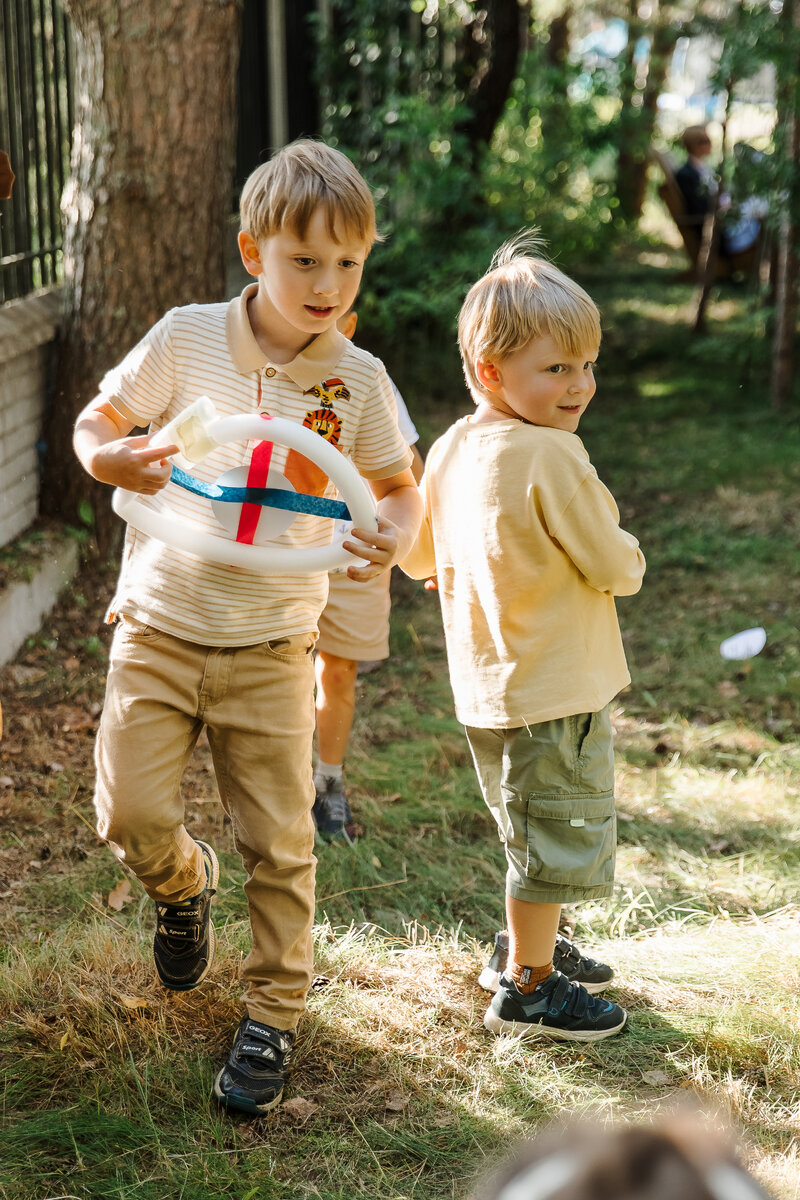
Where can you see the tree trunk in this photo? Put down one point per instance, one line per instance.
(639, 110)
(788, 266)
(147, 202)
(712, 228)
(490, 57)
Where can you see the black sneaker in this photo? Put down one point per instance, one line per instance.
(252, 1078)
(184, 941)
(555, 1008)
(331, 812)
(567, 958)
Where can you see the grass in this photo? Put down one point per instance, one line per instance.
(396, 1089)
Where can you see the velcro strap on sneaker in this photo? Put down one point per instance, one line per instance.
(567, 952)
(565, 996)
(181, 923)
(263, 1042)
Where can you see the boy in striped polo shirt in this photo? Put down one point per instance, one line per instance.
(201, 645)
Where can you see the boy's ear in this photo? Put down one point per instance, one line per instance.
(347, 324)
(488, 375)
(251, 255)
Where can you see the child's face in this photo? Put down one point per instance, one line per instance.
(311, 281)
(543, 385)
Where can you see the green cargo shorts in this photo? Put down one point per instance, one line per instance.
(550, 788)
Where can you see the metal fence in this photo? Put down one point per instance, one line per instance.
(36, 118)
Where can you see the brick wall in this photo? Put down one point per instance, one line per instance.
(27, 330)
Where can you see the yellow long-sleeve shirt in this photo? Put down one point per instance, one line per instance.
(526, 544)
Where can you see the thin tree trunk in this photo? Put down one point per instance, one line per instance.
(638, 120)
(788, 267)
(709, 249)
(146, 206)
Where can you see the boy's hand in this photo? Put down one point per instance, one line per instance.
(133, 464)
(379, 547)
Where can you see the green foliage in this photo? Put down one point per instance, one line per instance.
(397, 109)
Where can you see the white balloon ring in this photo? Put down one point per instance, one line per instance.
(265, 559)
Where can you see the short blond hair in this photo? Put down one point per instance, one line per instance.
(521, 297)
(301, 177)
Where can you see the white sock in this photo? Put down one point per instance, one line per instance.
(324, 771)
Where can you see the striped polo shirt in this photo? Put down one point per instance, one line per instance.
(333, 387)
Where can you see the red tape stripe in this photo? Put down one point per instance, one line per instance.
(256, 477)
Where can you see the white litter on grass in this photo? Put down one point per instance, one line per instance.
(746, 644)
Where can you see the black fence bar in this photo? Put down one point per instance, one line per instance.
(36, 113)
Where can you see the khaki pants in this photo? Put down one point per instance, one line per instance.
(257, 704)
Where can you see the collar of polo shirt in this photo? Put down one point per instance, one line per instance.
(316, 361)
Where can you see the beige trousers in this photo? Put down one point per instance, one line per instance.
(257, 705)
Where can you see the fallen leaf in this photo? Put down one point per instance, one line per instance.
(77, 719)
(120, 895)
(396, 1102)
(64, 1040)
(376, 862)
(656, 1078)
(132, 1002)
(300, 1108)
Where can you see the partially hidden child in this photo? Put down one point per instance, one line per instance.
(526, 545)
(198, 645)
(353, 630)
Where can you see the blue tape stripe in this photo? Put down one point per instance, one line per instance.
(299, 502)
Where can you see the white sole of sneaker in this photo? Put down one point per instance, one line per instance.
(242, 1104)
(489, 980)
(522, 1030)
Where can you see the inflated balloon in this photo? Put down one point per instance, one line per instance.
(196, 432)
(746, 644)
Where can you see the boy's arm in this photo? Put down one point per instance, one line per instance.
(110, 456)
(417, 464)
(420, 561)
(399, 515)
(588, 531)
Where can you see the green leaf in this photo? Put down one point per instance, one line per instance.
(86, 514)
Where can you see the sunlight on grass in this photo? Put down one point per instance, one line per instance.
(401, 1092)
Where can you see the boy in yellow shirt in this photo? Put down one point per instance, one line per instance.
(526, 545)
(200, 645)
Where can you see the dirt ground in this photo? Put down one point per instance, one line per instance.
(52, 696)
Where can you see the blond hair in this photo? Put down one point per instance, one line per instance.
(523, 296)
(301, 177)
(678, 1155)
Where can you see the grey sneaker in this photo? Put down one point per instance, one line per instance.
(567, 958)
(331, 812)
(184, 940)
(252, 1079)
(555, 1008)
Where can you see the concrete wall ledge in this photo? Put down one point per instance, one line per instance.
(31, 587)
(29, 322)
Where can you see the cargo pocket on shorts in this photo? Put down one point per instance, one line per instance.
(571, 840)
